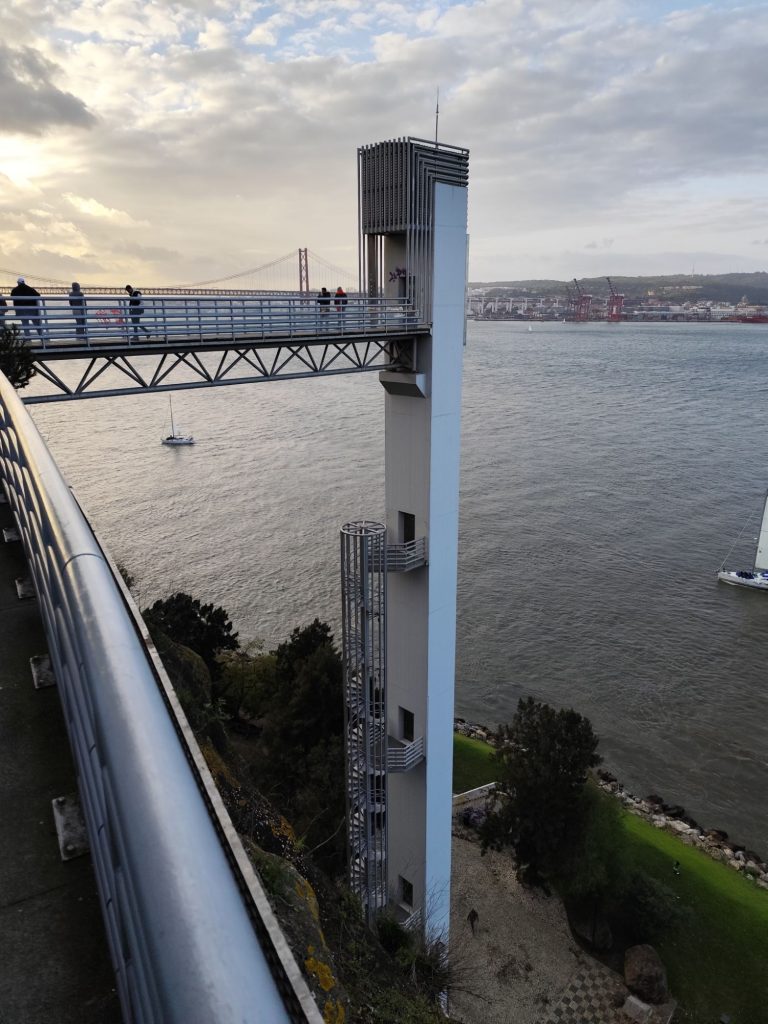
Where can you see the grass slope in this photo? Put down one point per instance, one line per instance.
(472, 764)
(717, 963)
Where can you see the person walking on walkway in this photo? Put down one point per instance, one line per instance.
(340, 300)
(26, 305)
(136, 310)
(77, 302)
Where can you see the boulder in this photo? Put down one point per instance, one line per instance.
(679, 826)
(717, 835)
(637, 1010)
(644, 974)
(673, 810)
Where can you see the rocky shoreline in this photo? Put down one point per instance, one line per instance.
(671, 818)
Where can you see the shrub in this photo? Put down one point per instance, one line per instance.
(648, 909)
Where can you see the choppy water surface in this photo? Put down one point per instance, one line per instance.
(606, 470)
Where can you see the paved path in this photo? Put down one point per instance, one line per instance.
(520, 963)
(54, 963)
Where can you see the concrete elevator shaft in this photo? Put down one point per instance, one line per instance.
(413, 235)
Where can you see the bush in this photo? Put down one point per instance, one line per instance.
(392, 935)
(16, 358)
(648, 909)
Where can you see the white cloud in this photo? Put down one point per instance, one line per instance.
(196, 132)
(93, 208)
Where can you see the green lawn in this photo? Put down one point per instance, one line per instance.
(472, 764)
(717, 963)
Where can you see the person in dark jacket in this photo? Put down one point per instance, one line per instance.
(324, 305)
(340, 299)
(26, 305)
(136, 309)
(77, 302)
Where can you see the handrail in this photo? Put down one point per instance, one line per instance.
(402, 756)
(191, 934)
(50, 322)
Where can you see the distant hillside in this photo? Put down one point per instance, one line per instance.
(675, 287)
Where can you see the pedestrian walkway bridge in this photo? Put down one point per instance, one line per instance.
(191, 341)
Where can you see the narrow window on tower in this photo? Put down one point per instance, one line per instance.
(406, 891)
(407, 725)
(406, 527)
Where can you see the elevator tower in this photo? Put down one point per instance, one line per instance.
(413, 245)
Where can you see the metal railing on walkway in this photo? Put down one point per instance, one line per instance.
(50, 321)
(192, 937)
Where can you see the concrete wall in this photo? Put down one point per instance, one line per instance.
(422, 478)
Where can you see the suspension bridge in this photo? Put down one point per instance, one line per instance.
(300, 271)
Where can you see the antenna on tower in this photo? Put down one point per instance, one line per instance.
(437, 112)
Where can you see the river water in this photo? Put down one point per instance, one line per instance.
(606, 471)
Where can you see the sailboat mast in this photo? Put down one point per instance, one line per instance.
(173, 429)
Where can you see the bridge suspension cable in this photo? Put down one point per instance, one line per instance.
(342, 274)
(243, 273)
(285, 273)
(15, 274)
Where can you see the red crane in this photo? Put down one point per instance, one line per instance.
(583, 303)
(615, 304)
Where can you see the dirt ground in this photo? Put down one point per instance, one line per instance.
(518, 961)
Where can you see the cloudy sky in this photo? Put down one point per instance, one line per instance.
(172, 141)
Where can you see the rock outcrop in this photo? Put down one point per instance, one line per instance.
(644, 974)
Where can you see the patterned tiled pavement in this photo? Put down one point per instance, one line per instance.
(590, 997)
(595, 995)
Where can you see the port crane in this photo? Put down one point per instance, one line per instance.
(582, 304)
(615, 304)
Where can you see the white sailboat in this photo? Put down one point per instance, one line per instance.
(757, 576)
(176, 437)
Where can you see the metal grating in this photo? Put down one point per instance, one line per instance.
(363, 596)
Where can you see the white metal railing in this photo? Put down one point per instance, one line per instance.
(51, 322)
(191, 934)
(403, 756)
(403, 557)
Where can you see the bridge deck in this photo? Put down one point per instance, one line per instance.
(53, 327)
(56, 967)
(185, 341)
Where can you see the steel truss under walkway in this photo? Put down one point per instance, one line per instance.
(173, 366)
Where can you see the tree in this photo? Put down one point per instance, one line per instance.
(247, 680)
(16, 357)
(543, 758)
(201, 627)
(301, 759)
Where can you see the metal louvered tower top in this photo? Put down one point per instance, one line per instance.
(397, 198)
